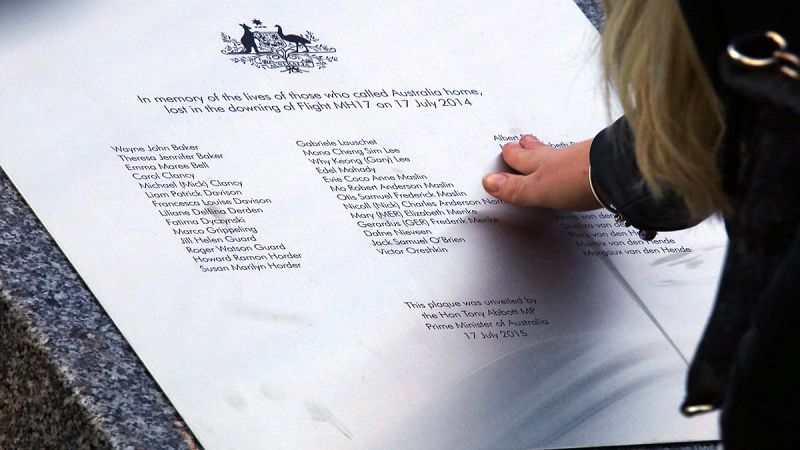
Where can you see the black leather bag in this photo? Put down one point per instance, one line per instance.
(747, 361)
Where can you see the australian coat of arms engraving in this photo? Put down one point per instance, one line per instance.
(272, 48)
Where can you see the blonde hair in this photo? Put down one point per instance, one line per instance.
(668, 99)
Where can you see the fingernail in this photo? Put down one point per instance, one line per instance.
(494, 182)
(530, 137)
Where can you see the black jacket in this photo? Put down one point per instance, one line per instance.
(746, 361)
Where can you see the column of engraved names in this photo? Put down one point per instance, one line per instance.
(210, 215)
(400, 210)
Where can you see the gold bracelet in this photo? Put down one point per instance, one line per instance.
(597, 197)
(644, 235)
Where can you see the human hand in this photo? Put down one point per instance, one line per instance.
(550, 178)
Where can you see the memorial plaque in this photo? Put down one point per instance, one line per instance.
(279, 205)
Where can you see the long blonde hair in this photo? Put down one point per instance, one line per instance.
(668, 99)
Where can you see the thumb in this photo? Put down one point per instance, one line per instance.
(515, 189)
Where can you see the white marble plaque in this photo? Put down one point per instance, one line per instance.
(279, 205)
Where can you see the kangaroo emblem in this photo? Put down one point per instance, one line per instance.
(270, 48)
(248, 39)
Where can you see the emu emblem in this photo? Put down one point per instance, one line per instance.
(270, 48)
